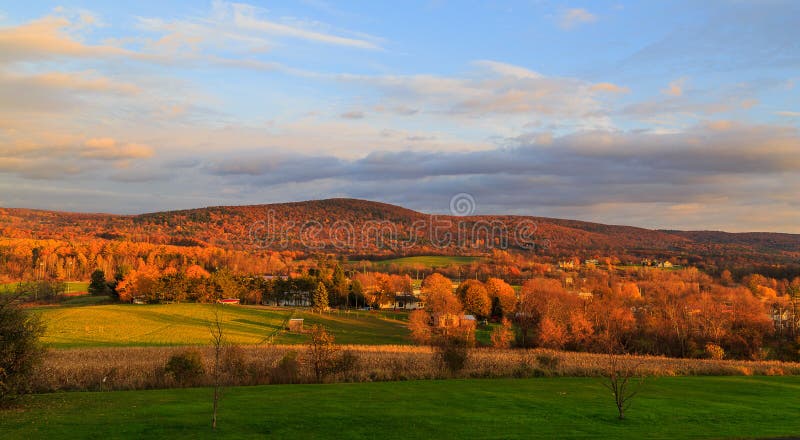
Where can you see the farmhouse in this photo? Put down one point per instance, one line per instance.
(450, 320)
(294, 298)
(783, 317)
(403, 301)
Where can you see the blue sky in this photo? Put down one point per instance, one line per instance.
(656, 114)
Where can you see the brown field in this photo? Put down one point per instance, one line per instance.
(129, 368)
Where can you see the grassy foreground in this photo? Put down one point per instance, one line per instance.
(188, 324)
(674, 407)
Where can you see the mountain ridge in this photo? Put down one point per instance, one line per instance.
(231, 226)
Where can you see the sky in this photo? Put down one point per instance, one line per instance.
(673, 115)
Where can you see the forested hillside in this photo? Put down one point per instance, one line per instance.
(248, 237)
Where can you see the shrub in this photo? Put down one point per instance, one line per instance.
(548, 362)
(524, 371)
(20, 351)
(714, 351)
(37, 291)
(453, 352)
(774, 371)
(82, 369)
(287, 370)
(233, 365)
(502, 335)
(186, 368)
(346, 364)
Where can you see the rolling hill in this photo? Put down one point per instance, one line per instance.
(371, 229)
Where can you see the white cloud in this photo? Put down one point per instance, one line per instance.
(48, 37)
(513, 94)
(572, 18)
(247, 17)
(355, 114)
(506, 69)
(675, 88)
(195, 37)
(240, 29)
(609, 87)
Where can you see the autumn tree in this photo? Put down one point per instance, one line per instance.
(581, 330)
(726, 278)
(502, 335)
(356, 295)
(503, 297)
(551, 333)
(627, 291)
(368, 284)
(196, 272)
(419, 323)
(437, 291)
(474, 298)
(384, 292)
(402, 284)
(544, 309)
(226, 285)
(445, 312)
(750, 325)
(139, 282)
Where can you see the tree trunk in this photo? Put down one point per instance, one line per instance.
(216, 400)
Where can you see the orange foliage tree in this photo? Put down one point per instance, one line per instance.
(475, 298)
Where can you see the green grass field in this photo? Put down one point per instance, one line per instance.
(670, 407)
(429, 261)
(188, 324)
(72, 287)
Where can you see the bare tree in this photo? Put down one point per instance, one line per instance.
(622, 378)
(322, 352)
(217, 341)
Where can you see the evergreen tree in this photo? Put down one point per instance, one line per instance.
(339, 285)
(320, 299)
(98, 286)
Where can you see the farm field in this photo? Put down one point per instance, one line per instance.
(668, 407)
(188, 324)
(72, 287)
(429, 261)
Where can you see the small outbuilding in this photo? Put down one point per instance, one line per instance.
(296, 325)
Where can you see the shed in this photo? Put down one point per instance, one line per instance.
(296, 325)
